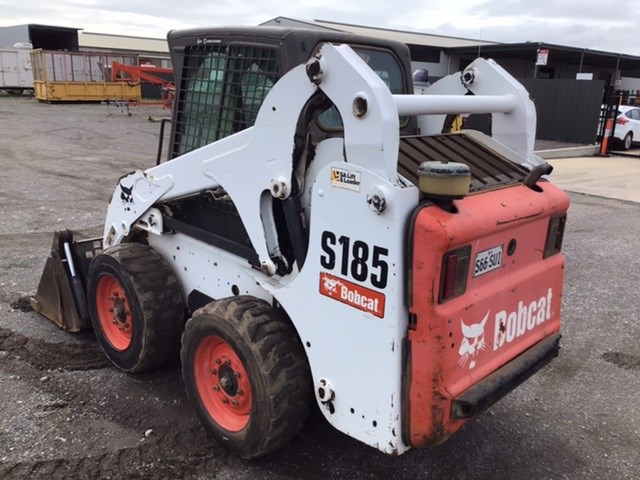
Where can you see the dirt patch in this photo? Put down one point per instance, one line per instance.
(22, 303)
(133, 463)
(85, 425)
(46, 356)
(623, 360)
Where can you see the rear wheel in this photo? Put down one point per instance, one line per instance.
(627, 141)
(136, 307)
(246, 374)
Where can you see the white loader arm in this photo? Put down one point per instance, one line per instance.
(494, 91)
(257, 163)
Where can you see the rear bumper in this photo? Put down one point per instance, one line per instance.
(491, 389)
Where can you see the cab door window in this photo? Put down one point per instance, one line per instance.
(222, 90)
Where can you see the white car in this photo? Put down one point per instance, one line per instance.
(627, 129)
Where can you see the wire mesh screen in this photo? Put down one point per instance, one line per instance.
(221, 92)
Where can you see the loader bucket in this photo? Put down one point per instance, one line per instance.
(61, 293)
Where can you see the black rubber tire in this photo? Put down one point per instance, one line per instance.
(156, 302)
(275, 362)
(627, 141)
(14, 92)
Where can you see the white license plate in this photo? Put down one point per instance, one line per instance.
(487, 261)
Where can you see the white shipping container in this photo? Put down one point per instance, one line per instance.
(15, 68)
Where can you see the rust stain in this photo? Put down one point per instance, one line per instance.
(433, 292)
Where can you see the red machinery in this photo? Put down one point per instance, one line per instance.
(146, 74)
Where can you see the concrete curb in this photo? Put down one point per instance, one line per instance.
(571, 152)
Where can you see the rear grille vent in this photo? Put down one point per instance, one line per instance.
(488, 167)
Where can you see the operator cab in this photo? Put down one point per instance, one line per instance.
(223, 76)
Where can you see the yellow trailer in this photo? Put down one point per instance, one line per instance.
(80, 77)
(49, 91)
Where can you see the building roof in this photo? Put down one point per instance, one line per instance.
(50, 28)
(41, 36)
(413, 38)
(557, 54)
(416, 38)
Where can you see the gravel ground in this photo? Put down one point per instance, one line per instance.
(65, 413)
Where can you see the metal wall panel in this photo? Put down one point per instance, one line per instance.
(568, 110)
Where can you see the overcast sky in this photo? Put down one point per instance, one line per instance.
(599, 25)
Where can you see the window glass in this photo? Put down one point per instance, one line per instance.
(199, 109)
(385, 65)
(222, 91)
(254, 86)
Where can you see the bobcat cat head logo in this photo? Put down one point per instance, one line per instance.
(126, 196)
(330, 284)
(472, 342)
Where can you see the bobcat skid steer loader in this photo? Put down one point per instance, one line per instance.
(313, 236)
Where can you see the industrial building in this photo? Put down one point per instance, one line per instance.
(149, 50)
(68, 64)
(438, 54)
(442, 55)
(582, 78)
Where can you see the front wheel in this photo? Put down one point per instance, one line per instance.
(246, 374)
(136, 307)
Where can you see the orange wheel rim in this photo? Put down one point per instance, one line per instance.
(223, 384)
(114, 312)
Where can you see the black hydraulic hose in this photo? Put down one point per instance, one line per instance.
(534, 175)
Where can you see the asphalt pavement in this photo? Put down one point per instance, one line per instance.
(66, 413)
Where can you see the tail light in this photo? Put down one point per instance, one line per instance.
(455, 270)
(555, 235)
(622, 120)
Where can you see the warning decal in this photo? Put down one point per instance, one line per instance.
(357, 296)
